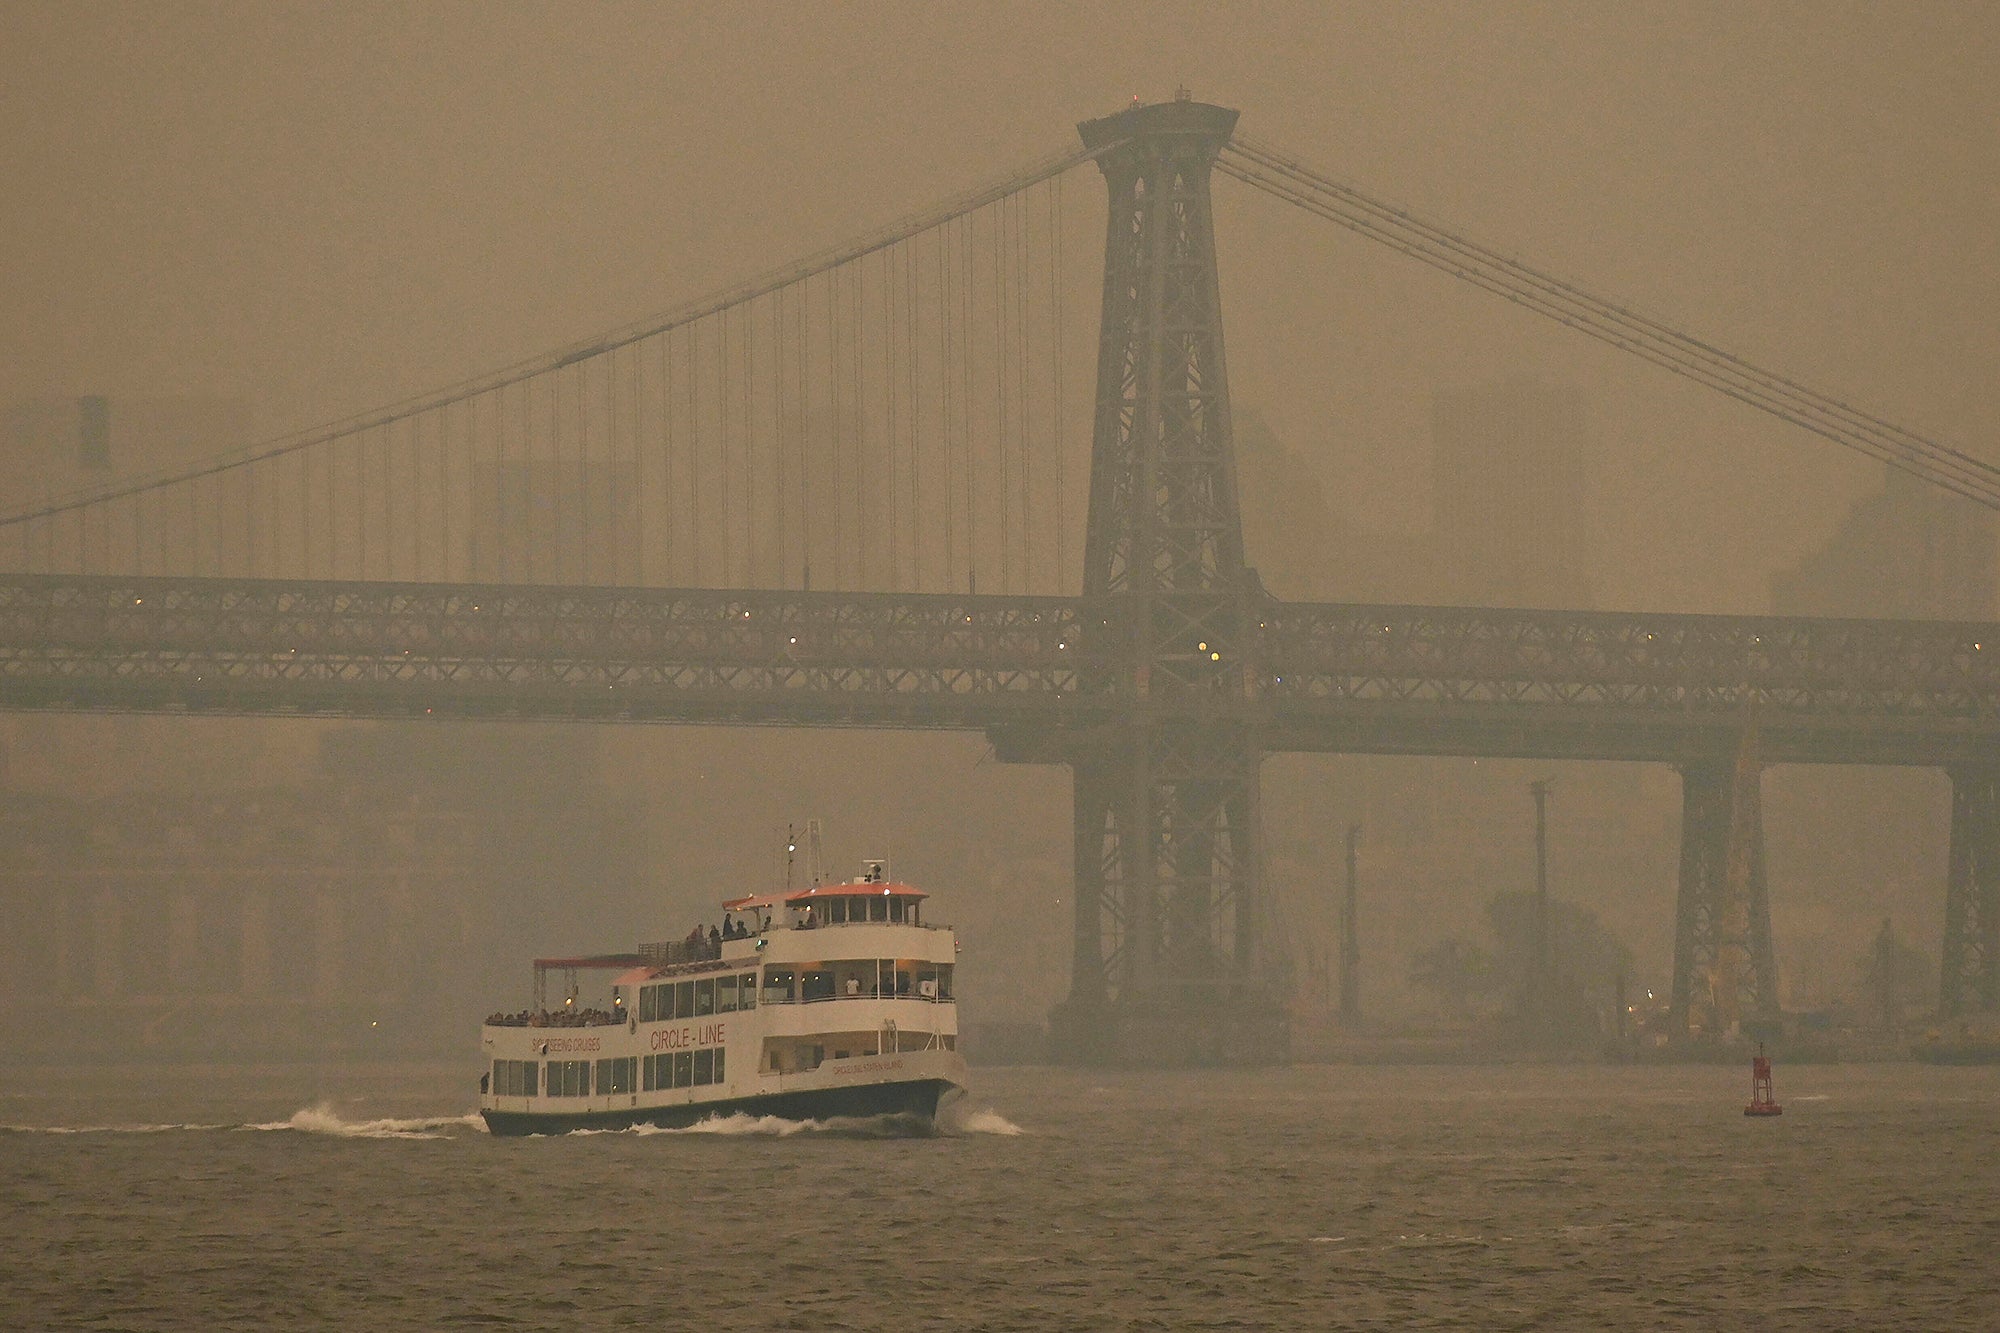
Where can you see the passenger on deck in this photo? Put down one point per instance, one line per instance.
(714, 942)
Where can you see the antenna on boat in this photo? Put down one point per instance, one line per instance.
(791, 850)
(812, 850)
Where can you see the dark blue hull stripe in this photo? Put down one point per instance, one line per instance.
(917, 1098)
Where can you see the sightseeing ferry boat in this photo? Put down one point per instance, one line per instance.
(835, 1000)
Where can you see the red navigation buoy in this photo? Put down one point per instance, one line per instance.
(1761, 1102)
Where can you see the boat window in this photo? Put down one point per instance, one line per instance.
(944, 981)
(916, 911)
(648, 1004)
(615, 1075)
(878, 909)
(684, 1069)
(704, 1067)
(746, 991)
(836, 911)
(718, 1064)
(516, 1078)
(684, 1000)
(569, 1078)
(649, 1073)
(725, 994)
(704, 997)
(895, 909)
(816, 986)
(778, 983)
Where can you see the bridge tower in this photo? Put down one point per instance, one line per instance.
(1169, 964)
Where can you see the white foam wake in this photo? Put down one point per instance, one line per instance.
(958, 1118)
(323, 1119)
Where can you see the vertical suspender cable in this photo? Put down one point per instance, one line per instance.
(1000, 397)
(775, 517)
(560, 501)
(882, 498)
(664, 509)
(856, 338)
(694, 452)
(911, 281)
(719, 527)
(944, 405)
(836, 572)
(889, 413)
(605, 547)
(1023, 293)
(750, 445)
(580, 571)
(1057, 419)
(970, 289)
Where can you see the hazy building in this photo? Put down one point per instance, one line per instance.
(370, 905)
(1508, 495)
(1907, 551)
(544, 521)
(54, 446)
(1843, 841)
(1308, 545)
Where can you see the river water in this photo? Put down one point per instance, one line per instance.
(1518, 1197)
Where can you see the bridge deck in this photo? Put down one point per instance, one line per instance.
(1329, 677)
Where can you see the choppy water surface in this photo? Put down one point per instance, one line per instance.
(1308, 1198)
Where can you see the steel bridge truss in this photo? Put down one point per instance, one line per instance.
(1372, 679)
(408, 650)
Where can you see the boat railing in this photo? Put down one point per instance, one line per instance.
(836, 925)
(667, 953)
(558, 1018)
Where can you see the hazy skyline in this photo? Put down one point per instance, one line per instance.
(318, 210)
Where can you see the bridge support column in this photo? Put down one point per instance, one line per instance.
(1725, 969)
(1969, 980)
(1169, 965)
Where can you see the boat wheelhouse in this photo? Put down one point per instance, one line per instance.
(834, 1000)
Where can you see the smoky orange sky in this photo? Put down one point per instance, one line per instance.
(320, 208)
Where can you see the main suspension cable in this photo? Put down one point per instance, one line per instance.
(1287, 179)
(792, 274)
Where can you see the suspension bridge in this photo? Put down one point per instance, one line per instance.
(843, 494)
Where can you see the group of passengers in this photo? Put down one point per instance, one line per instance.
(707, 942)
(566, 1017)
